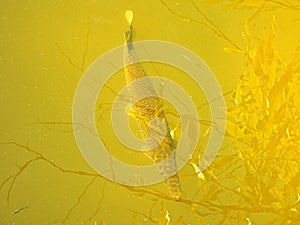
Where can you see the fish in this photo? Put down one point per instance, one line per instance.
(150, 116)
(19, 210)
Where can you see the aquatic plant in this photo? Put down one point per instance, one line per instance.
(265, 128)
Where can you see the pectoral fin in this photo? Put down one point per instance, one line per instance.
(149, 154)
(175, 134)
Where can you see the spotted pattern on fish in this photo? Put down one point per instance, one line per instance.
(144, 110)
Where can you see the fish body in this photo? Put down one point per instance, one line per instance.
(149, 114)
(19, 210)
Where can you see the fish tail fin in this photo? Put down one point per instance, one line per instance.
(129, 32)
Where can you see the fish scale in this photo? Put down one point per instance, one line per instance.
(150, 117)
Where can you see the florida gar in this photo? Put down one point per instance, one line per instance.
(150, 116)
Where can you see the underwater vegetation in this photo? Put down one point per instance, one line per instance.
(255, 180)
(265, 129)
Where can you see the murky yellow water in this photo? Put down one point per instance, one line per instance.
(45, 48)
